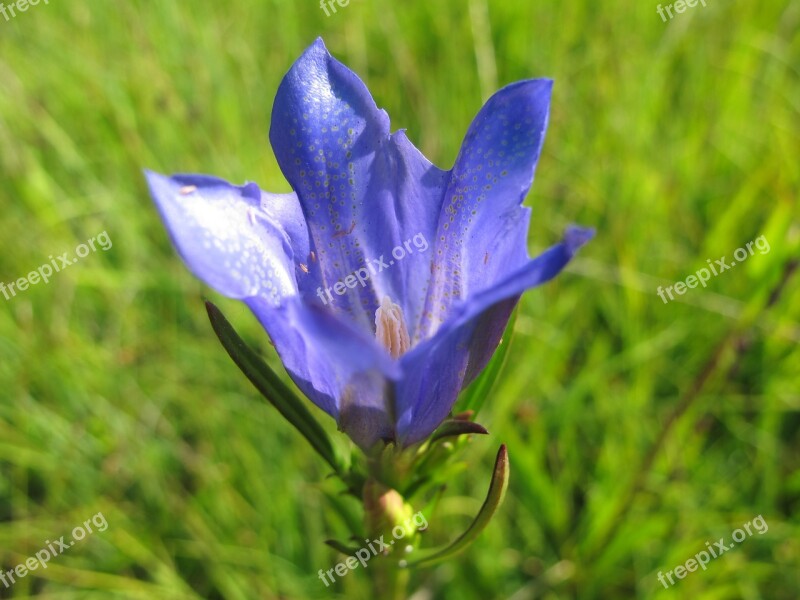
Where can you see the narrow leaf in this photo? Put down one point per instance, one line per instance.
(475, 395)
(497, 491)
(456, 427)
(271, 387)
(341, 547)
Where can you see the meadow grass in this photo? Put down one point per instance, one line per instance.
(637, 430)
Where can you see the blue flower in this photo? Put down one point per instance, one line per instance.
(384, 282)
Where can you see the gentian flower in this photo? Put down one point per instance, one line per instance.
(382, 342)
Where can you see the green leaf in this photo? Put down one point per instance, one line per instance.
(341, 547)
(475, 395)
(272, 388)
(497, 491)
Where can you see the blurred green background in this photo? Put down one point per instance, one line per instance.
(637, 430)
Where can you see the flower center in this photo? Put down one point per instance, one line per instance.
(390, 328)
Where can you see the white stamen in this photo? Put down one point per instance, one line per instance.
(390, 328)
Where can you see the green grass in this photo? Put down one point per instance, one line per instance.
(637, 430)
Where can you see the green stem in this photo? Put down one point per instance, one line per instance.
(390, 581)
(384, 510)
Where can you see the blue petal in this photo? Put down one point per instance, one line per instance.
(341, 369)
(247, 244)
(482, 229)
(227, 238)
(364, 192)
(438, 369)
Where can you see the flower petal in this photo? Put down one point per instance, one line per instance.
(225, 235)
(439, 368)
(245, 244)
(363, 191)
(341, 369)
(482, 229)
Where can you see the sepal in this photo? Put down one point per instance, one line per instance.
(494, 498)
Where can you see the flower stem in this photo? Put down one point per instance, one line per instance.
(390, 581)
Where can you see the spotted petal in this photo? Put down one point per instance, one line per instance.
(482, 227)
(364, 192)
(225, 235)
(245, 244)
(438, 368)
